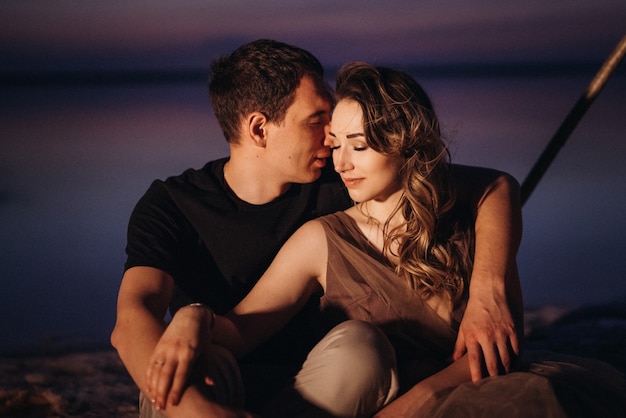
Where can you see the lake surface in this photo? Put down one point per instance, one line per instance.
(75, 159)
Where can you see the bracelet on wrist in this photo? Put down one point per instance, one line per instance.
(208, 308)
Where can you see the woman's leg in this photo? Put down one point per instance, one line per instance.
(351, 372)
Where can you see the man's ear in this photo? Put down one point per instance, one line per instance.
(257, 128)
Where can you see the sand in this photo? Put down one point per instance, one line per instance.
(80, 384)
(94, 383)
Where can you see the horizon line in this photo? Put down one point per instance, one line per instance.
(193, 75)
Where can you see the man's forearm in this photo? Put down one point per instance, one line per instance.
(494, 199)
(135, 336)
(498, 230)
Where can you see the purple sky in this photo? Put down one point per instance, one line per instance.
(75, 159)
(39, 35)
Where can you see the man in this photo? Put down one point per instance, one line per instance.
(207, 235)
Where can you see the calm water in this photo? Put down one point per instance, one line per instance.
(74, 160)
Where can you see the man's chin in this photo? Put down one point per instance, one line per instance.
(311, 177)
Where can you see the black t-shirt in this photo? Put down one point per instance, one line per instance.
(217, 246)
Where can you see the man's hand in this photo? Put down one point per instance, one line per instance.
(169, 369)
(487, 334)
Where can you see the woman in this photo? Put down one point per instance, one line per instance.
(397, 261)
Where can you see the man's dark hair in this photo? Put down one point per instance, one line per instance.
(260, 76)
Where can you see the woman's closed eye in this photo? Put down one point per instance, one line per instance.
(355, 148)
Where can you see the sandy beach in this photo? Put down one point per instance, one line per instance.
(94, 383)
(75, 384)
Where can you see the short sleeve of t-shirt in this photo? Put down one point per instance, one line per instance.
(157, 232)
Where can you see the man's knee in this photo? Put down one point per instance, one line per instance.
(221, 366)
(146, 409)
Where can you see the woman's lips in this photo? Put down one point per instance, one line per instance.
(351, 182)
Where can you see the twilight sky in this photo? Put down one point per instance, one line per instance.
(75, 158)
(40, 35)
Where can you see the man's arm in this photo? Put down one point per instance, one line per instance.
(141, 306)
(142, 303)
(492, 326)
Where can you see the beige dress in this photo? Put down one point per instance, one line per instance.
(361, 284)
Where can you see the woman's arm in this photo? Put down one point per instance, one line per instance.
(297, 272)
(292, 278)
(492, 326)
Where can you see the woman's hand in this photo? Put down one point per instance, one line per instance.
(187, 335)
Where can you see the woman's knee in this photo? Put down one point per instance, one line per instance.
(358, 344)
(352, 369)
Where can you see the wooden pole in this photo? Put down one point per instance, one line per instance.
(572, 119)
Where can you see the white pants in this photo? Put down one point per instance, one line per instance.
(351, 372)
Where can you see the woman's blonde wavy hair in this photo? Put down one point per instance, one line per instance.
(435, 249)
